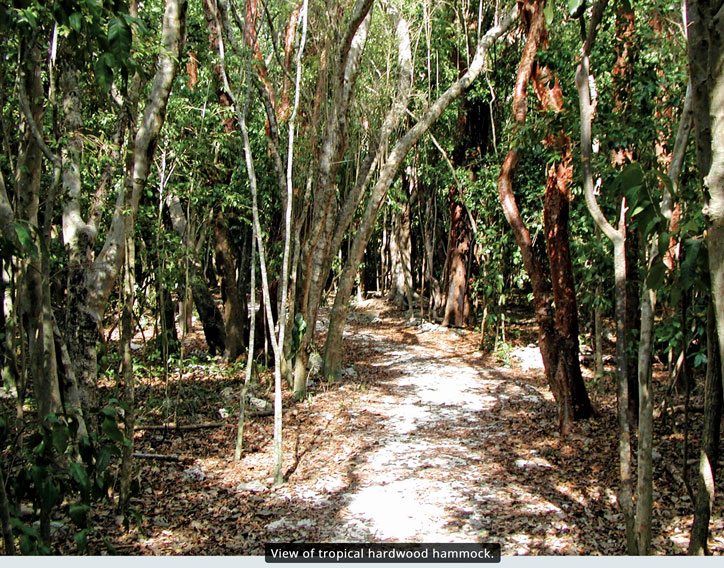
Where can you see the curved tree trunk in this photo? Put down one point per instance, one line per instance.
(551, 278)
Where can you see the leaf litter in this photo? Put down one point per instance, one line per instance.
(424, 439)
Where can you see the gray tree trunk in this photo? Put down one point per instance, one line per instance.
(618, 237)
(705, 34)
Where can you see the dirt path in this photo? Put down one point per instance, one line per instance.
(424, 439)
(437, 446)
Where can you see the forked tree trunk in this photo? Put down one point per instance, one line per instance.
(97, 277)
(551, 278)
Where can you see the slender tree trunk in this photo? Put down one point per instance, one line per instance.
(705, 34)
(618, 237)
(645, 406)
(129, 394)
(7, 531)
(710, 441)
(249, 352)
(34, 306)
(234, 317)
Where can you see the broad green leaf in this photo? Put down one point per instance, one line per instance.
(656, 275)
(119, 38)
(76, 21)
(25, 239)
(692, 247)
(79, 514)
(80, 475)
(548, 13)
(81, 541)
(104, 459)
(110, 429)
(61, 437)
(631, 176)
(49, 493)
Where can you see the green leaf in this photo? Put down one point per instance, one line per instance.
(692, 247)
(656, 275)
(548, 13)
(79, 514)
(27, 246)
(110, 429)
(49, 493)
(109, 412)
(28, 16)
(119, 38)
(631, 176)
(61, 437)
(80, 476)
(81, 541)
(76, 21)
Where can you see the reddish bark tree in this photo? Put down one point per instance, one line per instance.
(551, 278)
(457, 306)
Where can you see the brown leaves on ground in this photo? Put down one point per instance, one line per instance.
(424, 439)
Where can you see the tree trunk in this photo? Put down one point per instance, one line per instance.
(618, 237)
(7, 531)
(705, 35)
(457, 305)
(428, 236)
(234, 316)
(401, 257)
(96, 279)
(551, 278)
(34, 303)
(633, 319)
(573, 400)
(209, 314)
(710, 439)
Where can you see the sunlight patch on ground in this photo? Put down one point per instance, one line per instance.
(406, 509)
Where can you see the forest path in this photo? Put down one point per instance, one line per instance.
(439, 444)
(425, 438)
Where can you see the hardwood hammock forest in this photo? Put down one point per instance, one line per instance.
(361, 271)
